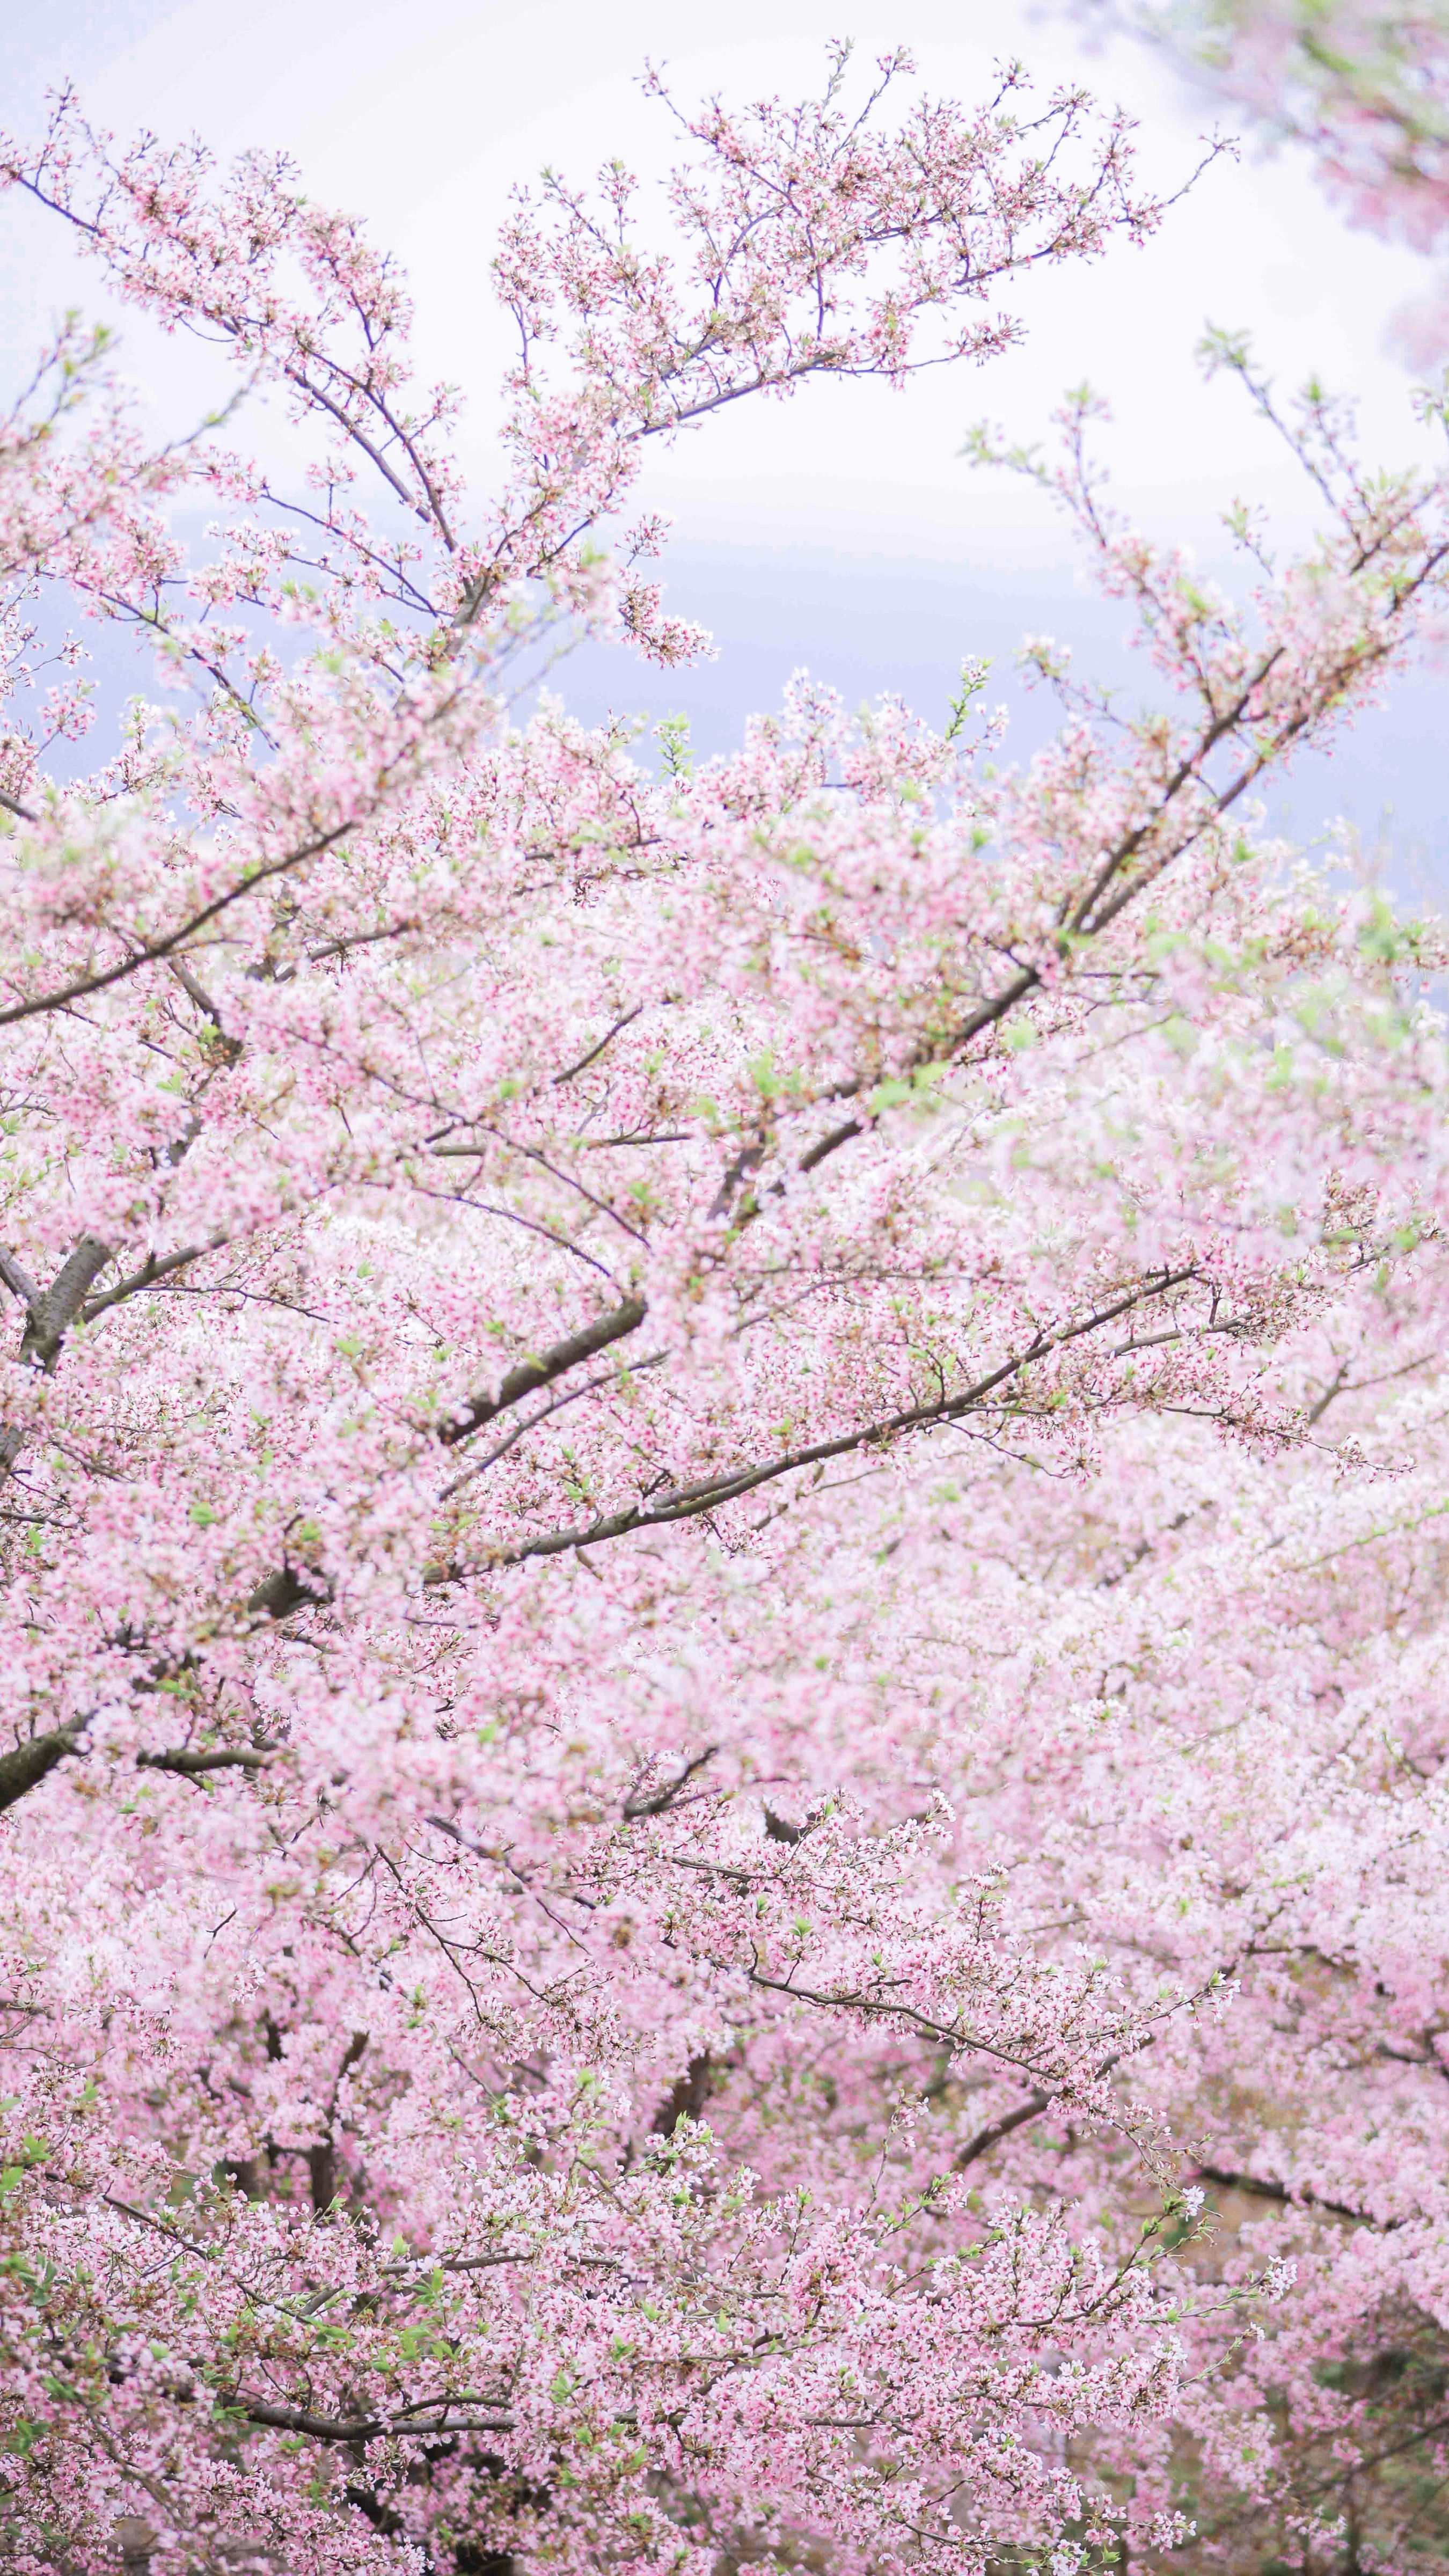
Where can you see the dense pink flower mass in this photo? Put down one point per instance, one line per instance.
(723, 1517)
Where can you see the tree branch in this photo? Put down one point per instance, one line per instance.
(996, 2130)
(279, 1594)
(530, 1374)
(1263, 2187)
(54, 1311)
(17, 1279)
(369, 2428)
(30, 1763)
(688, 1501)
(192, 1766)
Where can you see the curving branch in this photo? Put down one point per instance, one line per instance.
(1300, 2196)
(687, 1502)
(32, 1762)
(439, 2422)
(527, 1376)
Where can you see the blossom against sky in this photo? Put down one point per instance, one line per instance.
(423, 125)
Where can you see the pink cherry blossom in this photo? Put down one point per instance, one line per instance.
(723, 1484)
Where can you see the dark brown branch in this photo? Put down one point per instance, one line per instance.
(285, 1591)
(29, 1764)
(49, 1313)
(150, 1275)
(369, 2428)
(747, 1160)
(322, 2158)
(882, 2008)
(661, 1800)
(535, 1421)
(198, 993)
(686, 2098)
(1264, 2187)
(160, 950)
(530, 1374)
(688, 1501)
(828, 1145)
(996, 2130)
(606, 1040)
(1335, 1388)
(192, 1766)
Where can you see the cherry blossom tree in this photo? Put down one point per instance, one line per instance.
(724, 1795)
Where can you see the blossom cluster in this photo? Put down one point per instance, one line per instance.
(722, 1789)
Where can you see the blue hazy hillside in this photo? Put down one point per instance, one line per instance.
(868, 624)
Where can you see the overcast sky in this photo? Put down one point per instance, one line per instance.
(423, 119)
